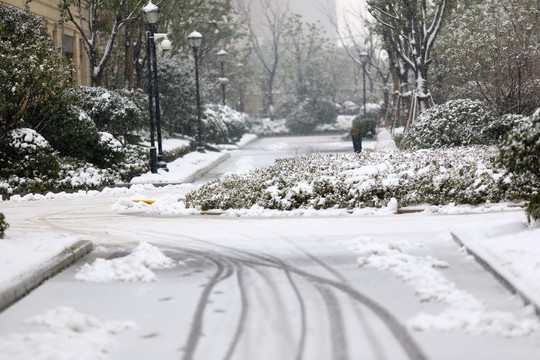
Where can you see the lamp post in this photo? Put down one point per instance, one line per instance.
(151, 14)
(240, 67)
(364, 56)
(222, 55)
(195, 40)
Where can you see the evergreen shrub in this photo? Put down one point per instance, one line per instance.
(27, 162)
(520, 154)
(456, 123)
(32, 73)
(111, 111)
(320, 181)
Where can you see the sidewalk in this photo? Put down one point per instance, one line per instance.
(510, 250)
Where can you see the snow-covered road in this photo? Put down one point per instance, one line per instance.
(211, 287)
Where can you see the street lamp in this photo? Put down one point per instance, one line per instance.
(240, 67)
(151, 15)
(222, 55)
(195, 40)
(364, 56)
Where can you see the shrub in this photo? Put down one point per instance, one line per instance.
(349, 108)
(177, 95)
(520, 154)
(3, 226)
(306, 116)
(72, 133)
(27, 162)
(214, 128)
(456, 123)
(32, 74)
(111, 111)
(320, 181)
(234, 121)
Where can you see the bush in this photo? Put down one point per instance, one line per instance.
(214, 128)
(306, 116)
(32, 74)
(320, 181)
(456, 123)
(177, 95)
(234, 121)
(3, 226)
(520, 154)
(72, 133)
(27, 162)
(111, 111)
(349, 108)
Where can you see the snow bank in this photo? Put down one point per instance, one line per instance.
(511, 248)
(68, 335)
(24, 252)
(464, 312)
(133, 267)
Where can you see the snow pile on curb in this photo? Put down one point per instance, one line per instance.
(23, 252)
(70, 335)
(511, 248)
(133, 267)
(464, 311)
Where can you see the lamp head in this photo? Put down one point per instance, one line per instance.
(166, 45)
(151, 13)
(222, 54)
(364, 56)
(195, 39)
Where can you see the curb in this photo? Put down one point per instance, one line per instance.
(504, 279)
(28, 283)
(199, 173)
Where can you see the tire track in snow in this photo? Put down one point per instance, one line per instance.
(399, 330)
(197, 323)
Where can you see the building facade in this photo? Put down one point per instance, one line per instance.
(66, 36)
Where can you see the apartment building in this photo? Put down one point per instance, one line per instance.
(66, 36)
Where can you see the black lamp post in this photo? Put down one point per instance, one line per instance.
(222, 55)
(364, 56)
(151, 16)
(195, 40)
(240, 67)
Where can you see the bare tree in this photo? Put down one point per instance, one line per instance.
(411, 29)
(265, 20)
(95, 14)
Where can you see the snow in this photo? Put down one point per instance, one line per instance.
(62, 334)
(513, 246)
(181, 169)
(21, 253)
(464, 312)
(509, 243)
(136, 266)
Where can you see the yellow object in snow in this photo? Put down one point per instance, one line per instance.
(149, 202)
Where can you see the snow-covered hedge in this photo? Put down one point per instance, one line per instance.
(520, 154)
(222, 125)
(27, 159)
(267, 127)
(442, 176)
(111, 110)
(457, 123)
(28, 163)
